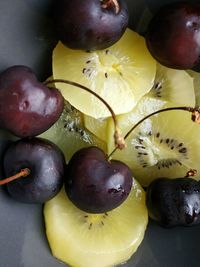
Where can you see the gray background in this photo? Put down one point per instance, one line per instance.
(27, 37)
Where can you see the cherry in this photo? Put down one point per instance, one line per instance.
(95, 184)
(37, 168)
(90, 24)
(173, 202)
(173, 35)
(27, 107)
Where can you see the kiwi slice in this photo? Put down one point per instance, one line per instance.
(121, 75)
(164, 93)
(167, 145)
(69, 133)
(171, 88)
(196, 79)
(89, 240)
(97, 126)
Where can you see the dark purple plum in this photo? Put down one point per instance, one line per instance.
(90, 24)
(173, 202)
(46, 164)
(173, 35)
(27, 107)
(94, 184)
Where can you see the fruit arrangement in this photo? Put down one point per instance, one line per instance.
(105, 152)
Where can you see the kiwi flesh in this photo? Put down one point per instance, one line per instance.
(121, 75)
(196, 79)
(167, 145)
(96, 240)
(69, 133)
(164, 93)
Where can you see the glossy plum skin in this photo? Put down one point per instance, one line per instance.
(95, 185)
(27, 107)
(46, 164)
(86, 25)
(173, 35)
(174, 202)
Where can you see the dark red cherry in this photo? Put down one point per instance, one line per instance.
(94, 184)
(27, 107)
(46, 165)
(173, 202)
(173, 35)
(90, 24)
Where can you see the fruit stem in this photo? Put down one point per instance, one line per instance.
(195, 117)
(23, 173)
(191, 173)
(107, 3)
(119, 140)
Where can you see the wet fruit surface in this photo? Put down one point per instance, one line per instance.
(173, 36)
(90, 24)
(94, 184)
(174, 202)
(27, 107)
(46, 165)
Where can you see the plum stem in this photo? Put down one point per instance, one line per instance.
(23, 173)
(195, 117)
(119, 140)
(107, 3)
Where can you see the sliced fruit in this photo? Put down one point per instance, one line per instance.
(167, 145)
(196, 77)
(97, 126)
(173, 86)
(69, 133)
(164, 93)
(80, 239)
(121, 74)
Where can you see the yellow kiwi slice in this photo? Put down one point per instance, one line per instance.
(121, 75)
(171, 88)
(69, 133)
(196, 77)
(167, 145)
(89, 240)
(97, 126)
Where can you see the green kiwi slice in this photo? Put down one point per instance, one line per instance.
(69, 133)
(96, 240)
(167, 145)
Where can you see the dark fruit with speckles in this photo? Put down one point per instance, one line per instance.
(46, 164)
(174, 202)
(27, 107)
(90, 24)
(173, 35)
(94, 184)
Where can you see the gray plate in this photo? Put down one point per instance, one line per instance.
(27, 37)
